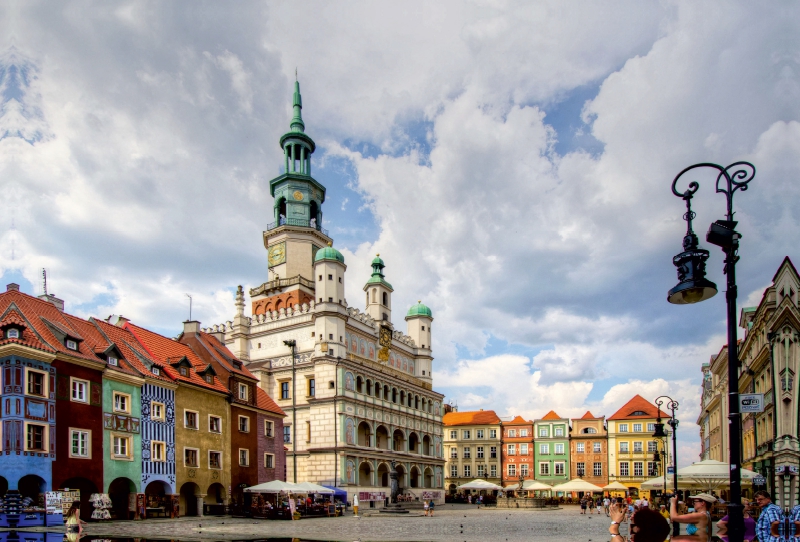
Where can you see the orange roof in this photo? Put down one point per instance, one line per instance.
(476, 417)
(638, 404)
(265, 402)
(552, 416)
(132, 351)
(516, 421)
(166, 350)
(99, 344)
(588, 416)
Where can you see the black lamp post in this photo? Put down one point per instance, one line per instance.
(672, 405)
(292, 344)
(693, 287)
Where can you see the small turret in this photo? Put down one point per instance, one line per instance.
(379, 293)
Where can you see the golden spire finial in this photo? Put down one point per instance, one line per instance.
(378, 255)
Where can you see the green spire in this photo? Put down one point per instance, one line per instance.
(377, 273)
(297, 103)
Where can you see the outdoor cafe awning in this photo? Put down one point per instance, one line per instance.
(479, 483)
(577, 484)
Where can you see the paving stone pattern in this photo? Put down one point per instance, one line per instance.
(451, 523)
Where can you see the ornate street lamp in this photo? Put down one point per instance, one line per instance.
(659, 432)
(693, 287)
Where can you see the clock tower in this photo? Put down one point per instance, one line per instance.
(296, 232)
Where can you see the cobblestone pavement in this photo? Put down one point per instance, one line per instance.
(451, 523)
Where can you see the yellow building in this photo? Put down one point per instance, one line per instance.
(631, 445)
(471, 447)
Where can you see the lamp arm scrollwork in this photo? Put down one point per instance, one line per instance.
(735, 176)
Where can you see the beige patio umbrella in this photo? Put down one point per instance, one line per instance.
(577, 484)
(709, 475)
(480, 483)
(615, 486)
(530, 485)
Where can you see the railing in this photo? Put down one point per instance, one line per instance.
(281, 283)
(297, 222)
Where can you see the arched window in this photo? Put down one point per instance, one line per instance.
(374, 292)
(281, 218)
(385, 299)
(394, 395)
(369, 387)
(359, 384)
(590, 430)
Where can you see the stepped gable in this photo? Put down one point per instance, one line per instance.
(476, 417)
(101, 344)
(552, 416)
(133, 352)
(265, 402)
(638, 404)
(45, 320)
(28, 337)
(167, 351)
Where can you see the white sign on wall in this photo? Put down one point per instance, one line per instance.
(751, 402)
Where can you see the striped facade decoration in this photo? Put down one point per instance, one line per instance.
(157, 430)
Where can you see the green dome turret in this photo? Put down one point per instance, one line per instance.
(419, 310)
(328, 253)
(377, 273)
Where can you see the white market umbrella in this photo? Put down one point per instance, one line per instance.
(479, 483)
(315, 488)
(576, 484)
(536, 485)
(276, 486)
(710, 475)
(616, 486)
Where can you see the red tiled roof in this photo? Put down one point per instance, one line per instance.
(27, 336)
(516, 421)
(265, 402)
(131, 350)
(162, 349)
(638, 403)
(99, 344)
(552, 416)
(588, 416)
(223, 355)
(475, 417)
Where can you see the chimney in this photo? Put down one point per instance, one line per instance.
(117, 320)
(191, 326)
(59, 303)
(13, 287)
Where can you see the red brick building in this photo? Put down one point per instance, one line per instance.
(516, 451)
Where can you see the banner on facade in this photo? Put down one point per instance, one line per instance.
(751, 402)
(371, 496)
(427, 495)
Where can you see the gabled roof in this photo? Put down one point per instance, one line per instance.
(552, 416)
(101, 345)
(265, 402)
(476, 417)
(588, 416)
(638, 404)
(28, 336)
(516, 421)
(220, 353)
(166, 351)
(132, 351)
(786, 261)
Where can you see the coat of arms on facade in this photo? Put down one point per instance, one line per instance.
(385, 342)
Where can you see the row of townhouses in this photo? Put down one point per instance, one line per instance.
(554, 450)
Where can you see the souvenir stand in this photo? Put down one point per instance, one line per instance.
(101, 503)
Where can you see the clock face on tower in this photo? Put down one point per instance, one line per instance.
(298, 195)
(276, 254)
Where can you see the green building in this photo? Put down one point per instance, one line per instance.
(551, 449)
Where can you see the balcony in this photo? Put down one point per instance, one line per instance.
(297, 222)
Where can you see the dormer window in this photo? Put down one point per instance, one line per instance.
(156, 371)
(12, 333)
(111, 359)
(183, 371)
(72, 345)
(209, 379)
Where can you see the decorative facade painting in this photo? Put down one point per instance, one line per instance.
(438, 477)
(437, 446)
(353, 344)
(362, 347)
(436, 409)
(349, 381)
(349, 431)
(350, 471)
(371, 351)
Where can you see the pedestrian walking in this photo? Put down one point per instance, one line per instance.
(583, 505)
(590, 505)
(431, 506)
(606, 504)
(598, 504)
(425, 507)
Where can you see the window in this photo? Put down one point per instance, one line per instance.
(512, 449)
(579, 447)
(330, 277)
(157, 451)
(13, 333)
(312, 387)
(111, 360)
(287, 433)
(624, 468)
(637, 447)
(453, 453)
(651, 427)
(559, 431)
(523, 469)
(623, 428)
(243, 392)
(544, 449)
(157, 411)
(639, 413)
(72, 345)
(559, 469)
(560, 448)
(190, 457)
(598, 469)
(183, 371)
(523, 432)
(481, 471)
(454, 471)
(269, 428)
(479, 452)
(285, 390)
(466, 452)
(465, 434)
(214, 424)
(190, 419)
(454, 434)
(652, 468)
(80, 443)
(121, 447)
(244, 424)
(523, 449)
(623, 447)
(493, 471)
(244, 457)
(511, 469)
(581, 468)
(156, 371)
(122, 402)
(597, 447)
(214, 459)
(638, 468)
(492, 433)
(637, 428)
(269, 461)
(544, 468)
(543, 432)
(493, 452)
(467, 471)
(512, 433)
(36, 383)
(80, 390)
(479, 433)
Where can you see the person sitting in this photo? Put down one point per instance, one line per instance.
(700, 519)
(646, 524)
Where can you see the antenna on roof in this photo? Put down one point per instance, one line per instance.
(190, 307)
(44, 280)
